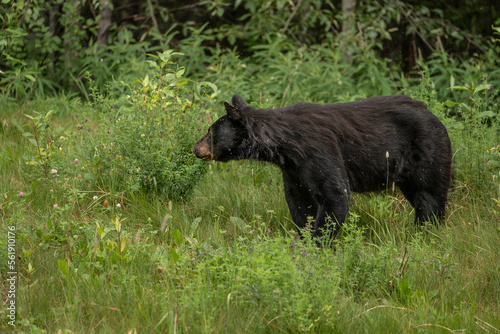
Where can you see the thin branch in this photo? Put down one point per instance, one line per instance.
(291, 16)
(184, 7)
(487, 324)
(152, 13)
(382, 306)
(291, 79)
(436, 325)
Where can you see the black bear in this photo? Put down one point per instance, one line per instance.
(327, 151)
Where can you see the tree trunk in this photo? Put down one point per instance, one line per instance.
(104, 22)
(348, 7)
(71, 9)
(53, 14)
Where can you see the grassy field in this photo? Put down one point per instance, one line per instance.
(92, 259)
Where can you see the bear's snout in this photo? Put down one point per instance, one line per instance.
(202, 150)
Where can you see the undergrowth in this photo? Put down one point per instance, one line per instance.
(103, 244)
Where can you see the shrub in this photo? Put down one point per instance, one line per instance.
(144, 141)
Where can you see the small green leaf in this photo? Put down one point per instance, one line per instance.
(169, 77)
(62, 267)
(177, 235)
(450, 103)
(123, 244)
(174, 257)
(486, 114)
(33, 141)
(34, 185)
(194, 224)
(459, 88)
(192, 241)
(48, 114)
(240, 224)
(180, 72)
(209, 84)
(482, 87)
(181, 82)
(153, 64)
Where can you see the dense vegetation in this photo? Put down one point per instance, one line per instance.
(118, 228)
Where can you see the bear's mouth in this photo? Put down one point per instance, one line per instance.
(202, 151)
(205, 155)
(209, 157)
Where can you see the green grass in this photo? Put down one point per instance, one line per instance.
(228, 259)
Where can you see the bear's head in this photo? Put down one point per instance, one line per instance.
(226, 137)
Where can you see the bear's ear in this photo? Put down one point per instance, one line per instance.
(232, 112)
(238, 101)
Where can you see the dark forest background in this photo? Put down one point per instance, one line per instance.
(48, 46)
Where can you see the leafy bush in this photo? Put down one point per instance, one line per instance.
(47, 46)
(364, 272)
(144, 141)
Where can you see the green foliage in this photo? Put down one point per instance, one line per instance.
(40, 139)
(32, 51)
(365, 272)
(47, 46)
(317, 74)
(264, 21)
(203, 276)
(280, 276)
(145, 141)
(341, 68)
(478, 120)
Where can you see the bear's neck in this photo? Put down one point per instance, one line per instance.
(271, 138)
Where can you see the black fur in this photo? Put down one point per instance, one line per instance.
(327, 151)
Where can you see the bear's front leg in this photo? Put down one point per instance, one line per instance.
(323, 198)
(299, 199)
(332, 211)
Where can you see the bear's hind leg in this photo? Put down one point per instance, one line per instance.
(428, 206)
